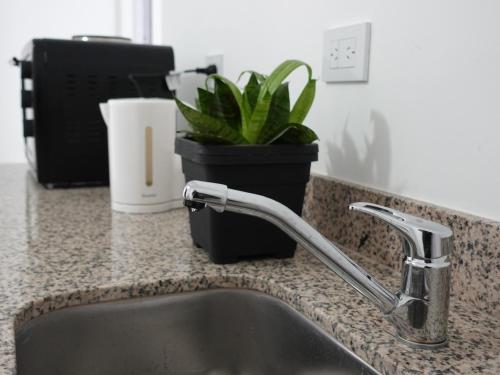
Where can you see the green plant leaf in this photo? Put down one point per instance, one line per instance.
(236, 93)
(277, 117)
(251, 92)
(207, 103)
(304, 102)
(268, 88)
(277, 136)
(258, 119)
(260, 77)
(220, 104)
(296, 134)
(227, 105)
(208, 125)
(279, 74)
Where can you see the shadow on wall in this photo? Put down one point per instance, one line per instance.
(374, 168)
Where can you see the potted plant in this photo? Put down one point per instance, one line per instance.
(253, 140)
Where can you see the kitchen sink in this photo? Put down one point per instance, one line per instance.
(216, 331)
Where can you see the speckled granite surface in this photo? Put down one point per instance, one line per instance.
(65, 247)
(476, 255)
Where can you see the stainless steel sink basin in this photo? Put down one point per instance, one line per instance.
(219, 331)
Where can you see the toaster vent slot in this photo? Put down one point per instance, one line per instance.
(71, 85)
(89, 132)
(92, 82)
(96, 88)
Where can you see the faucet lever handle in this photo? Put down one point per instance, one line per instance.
(422, 238)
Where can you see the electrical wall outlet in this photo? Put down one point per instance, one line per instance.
(216, 59)
(346, 53)
(333, 54)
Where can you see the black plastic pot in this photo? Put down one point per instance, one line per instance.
(279, 172)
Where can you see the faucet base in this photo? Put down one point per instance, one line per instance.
(420, 345)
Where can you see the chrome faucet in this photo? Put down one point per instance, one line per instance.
(419, 311)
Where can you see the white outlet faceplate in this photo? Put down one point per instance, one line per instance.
(346, 53)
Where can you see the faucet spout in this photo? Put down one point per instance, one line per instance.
(419, 311)
(199, 194)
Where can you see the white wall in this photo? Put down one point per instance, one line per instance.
(22, 20)
(427, 125)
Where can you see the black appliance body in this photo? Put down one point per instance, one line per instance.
(63, 81)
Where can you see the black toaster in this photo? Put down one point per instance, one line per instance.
(62, 83)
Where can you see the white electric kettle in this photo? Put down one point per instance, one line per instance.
(145, 173)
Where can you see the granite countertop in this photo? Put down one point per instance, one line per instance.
(65, 247)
